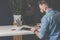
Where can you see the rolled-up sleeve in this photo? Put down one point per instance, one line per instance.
(43, 29)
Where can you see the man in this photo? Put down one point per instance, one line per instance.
(50, 22)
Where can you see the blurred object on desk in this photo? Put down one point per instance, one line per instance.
(17, 20)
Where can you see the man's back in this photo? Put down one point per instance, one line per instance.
(54, 27)
(51, 26)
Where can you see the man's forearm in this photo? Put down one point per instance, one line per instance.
(37, 33)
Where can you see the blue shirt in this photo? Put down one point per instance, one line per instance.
(50, 25)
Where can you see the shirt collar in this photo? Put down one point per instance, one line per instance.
(50, 9)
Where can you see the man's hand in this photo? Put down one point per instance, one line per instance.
(36, 28)
(35, 31)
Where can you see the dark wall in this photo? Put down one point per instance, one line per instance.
(6, 17)
(30, 15)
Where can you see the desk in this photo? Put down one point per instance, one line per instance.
(7, 31)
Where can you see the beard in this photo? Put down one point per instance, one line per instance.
(42, 11)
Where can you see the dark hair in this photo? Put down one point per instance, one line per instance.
(51, 3)
(48, 2)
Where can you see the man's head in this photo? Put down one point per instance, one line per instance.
(44, 5)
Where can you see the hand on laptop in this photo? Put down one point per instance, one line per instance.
(36, 28)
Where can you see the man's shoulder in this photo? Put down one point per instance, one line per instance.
(52, 14)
